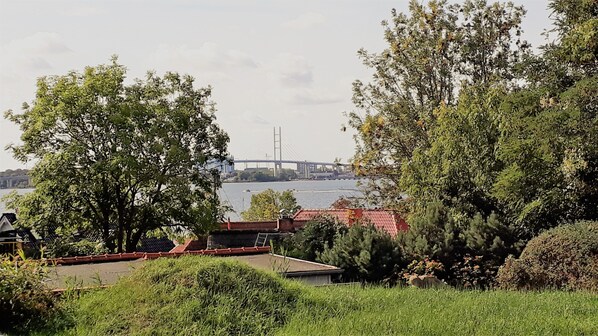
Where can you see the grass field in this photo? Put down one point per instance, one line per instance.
(211, 296)
(352, 310)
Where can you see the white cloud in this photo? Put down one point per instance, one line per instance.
(313, 97)
(22, 60)
(305, 21)
(38, 44)
(253, 118)
(292, 70)
(82, 11)
(209, 56)
(27, 58)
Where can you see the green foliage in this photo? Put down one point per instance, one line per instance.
(69, 247)
(25, 301)
(425, 267)
(432, 51)
(460, 166)
(565, 257)
(268, 204)
(495, 160)
(266, 176)
(471, 249)
(576, 23)
(432, 234)
(189, 296)
(118, 159)
(318, 234)
(365, 253)
(550, 156)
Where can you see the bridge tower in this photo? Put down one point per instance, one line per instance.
(277, 145)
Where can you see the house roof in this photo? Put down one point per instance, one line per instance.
(102, 258)
(387, 220)
(6, 221)
(249, 225)
(190, 245)
(108, 268)
(153, 244)
(11, 217)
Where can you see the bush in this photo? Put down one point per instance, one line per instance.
(318, 234)
(471, 247)
(189, 296)
(473, 272)
(68, 247)
(365, 253)
(25, 302)
(565, 257)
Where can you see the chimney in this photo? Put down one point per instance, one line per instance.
(354, 215)
(284, 224)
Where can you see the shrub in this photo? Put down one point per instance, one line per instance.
(565, 257)
(318, 234)
(25, 302)
(365, 253)
(471, 247)
(425, 267)
(473, 272)
(68, 247)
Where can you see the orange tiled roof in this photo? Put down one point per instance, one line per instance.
(148, 255)
(387, 220)
(189, 245)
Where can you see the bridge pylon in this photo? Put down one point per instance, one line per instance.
(277, 145)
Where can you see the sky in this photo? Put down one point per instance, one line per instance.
(271, 63)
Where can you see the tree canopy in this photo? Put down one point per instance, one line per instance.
(432, 52)
(490, 143)
(117, 159)
(270, 205)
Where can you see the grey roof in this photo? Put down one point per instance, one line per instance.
(10, 216)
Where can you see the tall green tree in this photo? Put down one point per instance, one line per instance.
(431, 53)
(270, 205)
(117, 159)
(549, 142)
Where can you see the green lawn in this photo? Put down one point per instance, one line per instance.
(212, 296)
(351, 310)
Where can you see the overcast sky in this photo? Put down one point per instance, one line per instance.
(270, 62)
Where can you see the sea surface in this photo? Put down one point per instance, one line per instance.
(312, 194)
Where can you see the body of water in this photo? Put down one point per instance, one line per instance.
(312, 194)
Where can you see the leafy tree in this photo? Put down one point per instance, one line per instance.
(460, 165)
(317, 235)
(430, 52)
(550, 128)
(118, 160)
(365, 253)
(270, 204)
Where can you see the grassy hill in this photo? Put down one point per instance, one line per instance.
(214, 296)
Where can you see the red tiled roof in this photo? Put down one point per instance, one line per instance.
(387, 220)
(280, 225)
(147, 255)
(190, 245)
(255, 225)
